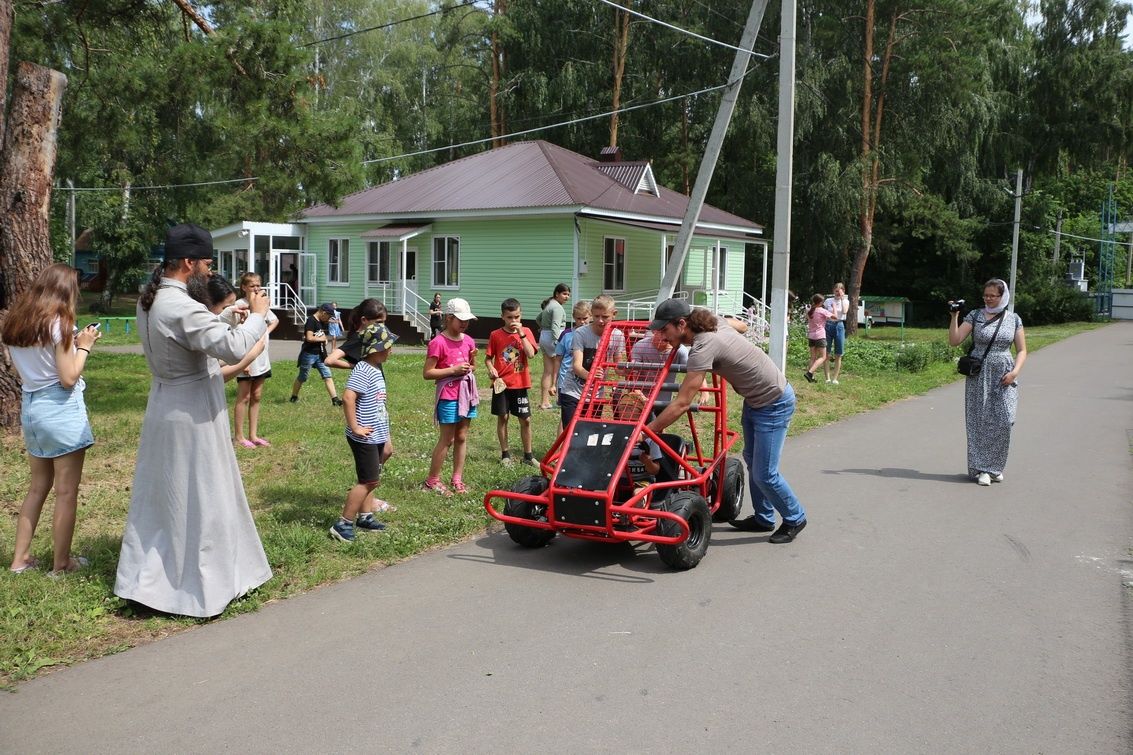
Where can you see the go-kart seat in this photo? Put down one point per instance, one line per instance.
(670, 469)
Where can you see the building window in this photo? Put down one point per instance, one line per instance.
(614, 265)
(722, 270)
(446, 262)
(377, 262)
(338, 261)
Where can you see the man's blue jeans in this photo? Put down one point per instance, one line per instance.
(765, 432)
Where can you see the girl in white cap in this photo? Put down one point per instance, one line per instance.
(451, 361)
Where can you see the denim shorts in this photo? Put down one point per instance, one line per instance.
(306, 361)
(55, 421)
(446, 412)
(836, 337)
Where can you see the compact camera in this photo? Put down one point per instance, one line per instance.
(955, 306)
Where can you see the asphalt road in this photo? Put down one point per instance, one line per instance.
(917, 613)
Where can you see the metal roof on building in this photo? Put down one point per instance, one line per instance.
(521, 175)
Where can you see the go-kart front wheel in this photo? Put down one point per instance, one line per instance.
(694, 510)
(732, 496)
(528, 537)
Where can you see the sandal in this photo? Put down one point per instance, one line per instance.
(261, 442)
(458, 486)
(77, 563)
(246, 443)
(32, 563)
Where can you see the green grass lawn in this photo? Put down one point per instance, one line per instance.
(296, 489)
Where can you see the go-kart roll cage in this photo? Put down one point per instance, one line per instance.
(587, 464)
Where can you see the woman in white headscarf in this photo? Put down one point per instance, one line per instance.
(991, 396)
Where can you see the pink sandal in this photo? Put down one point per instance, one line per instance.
(246, 443)
(261, 442)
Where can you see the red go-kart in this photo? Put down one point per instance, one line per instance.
(594, 483)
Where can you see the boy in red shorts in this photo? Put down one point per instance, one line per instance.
(509, 348)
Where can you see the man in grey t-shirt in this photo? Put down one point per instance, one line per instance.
(769, 403)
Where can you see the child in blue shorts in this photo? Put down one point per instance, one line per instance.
(451, 361)
(367, 431)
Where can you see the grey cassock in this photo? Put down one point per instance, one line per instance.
(190, 545)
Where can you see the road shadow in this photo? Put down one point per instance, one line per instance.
(901, 473)
(565, 555)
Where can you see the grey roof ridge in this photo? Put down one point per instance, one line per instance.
(553, 162)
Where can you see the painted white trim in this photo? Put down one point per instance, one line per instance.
(346, 282)
(486, 214)
(614, 216)
(647, 183)
(432, 269)
(625, 252)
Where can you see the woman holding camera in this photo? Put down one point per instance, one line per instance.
(991, 396)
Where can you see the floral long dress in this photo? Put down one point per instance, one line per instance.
(989, 406)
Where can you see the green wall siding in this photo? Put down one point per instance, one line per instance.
(525, 258)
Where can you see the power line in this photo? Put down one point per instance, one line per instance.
(682, 31)
(553, 125)
(156, 186)
(390, 24)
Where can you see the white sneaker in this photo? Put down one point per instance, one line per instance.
(835, 382)
(984, 479)
(828, 380)
(997, 477)
(507, 461)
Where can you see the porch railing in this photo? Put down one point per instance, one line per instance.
(755, 314)
(411, 306)
(290, 302)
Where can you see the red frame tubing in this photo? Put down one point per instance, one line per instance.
(635, 509)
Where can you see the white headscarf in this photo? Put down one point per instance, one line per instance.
(1004, 300)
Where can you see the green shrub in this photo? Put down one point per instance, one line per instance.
(1053, 303)
(913, 357)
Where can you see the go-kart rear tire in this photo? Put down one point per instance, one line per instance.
(694, 510)
(732, 498)
(528, 537)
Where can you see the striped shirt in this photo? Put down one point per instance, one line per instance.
(369, 384)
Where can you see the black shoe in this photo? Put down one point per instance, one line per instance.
(293, 399)
(809, 376)
(336, 401)
(752, 524)
(787, 532)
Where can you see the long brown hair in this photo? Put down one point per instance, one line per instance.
(52, 295)
(701, 320)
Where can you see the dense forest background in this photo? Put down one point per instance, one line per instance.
(912, 116)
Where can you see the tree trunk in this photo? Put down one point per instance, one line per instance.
(27, 167)
(495, 108)
(621, 45)
(5, 36)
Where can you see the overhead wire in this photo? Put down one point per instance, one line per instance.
(389, 24)
(667, 25)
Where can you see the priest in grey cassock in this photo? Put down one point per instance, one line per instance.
(190, 545)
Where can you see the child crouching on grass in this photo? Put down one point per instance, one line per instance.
(367, 431)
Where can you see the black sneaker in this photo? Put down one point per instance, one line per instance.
(342, 531)
(293, 399)
(787, 532)
(752, 524)
(369, 523)
(809, 376)
(336, 401)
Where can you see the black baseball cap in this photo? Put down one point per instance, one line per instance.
(187, 241)
(669, 310)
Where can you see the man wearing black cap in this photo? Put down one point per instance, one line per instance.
(190, 545)
(769, 403)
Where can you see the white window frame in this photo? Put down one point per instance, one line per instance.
(338, 262)
(610, 261)
(721, 270)
(433, 262)
(378, 261)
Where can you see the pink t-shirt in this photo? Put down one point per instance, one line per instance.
(816, 323)
(449, 353)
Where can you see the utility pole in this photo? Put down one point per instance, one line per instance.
(781, 267)
(1057, 236)
(71, 220)
(1015, 234)
(712, 150)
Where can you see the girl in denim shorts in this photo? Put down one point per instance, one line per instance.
(50, 353)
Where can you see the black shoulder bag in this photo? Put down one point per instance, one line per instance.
(971, 365)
